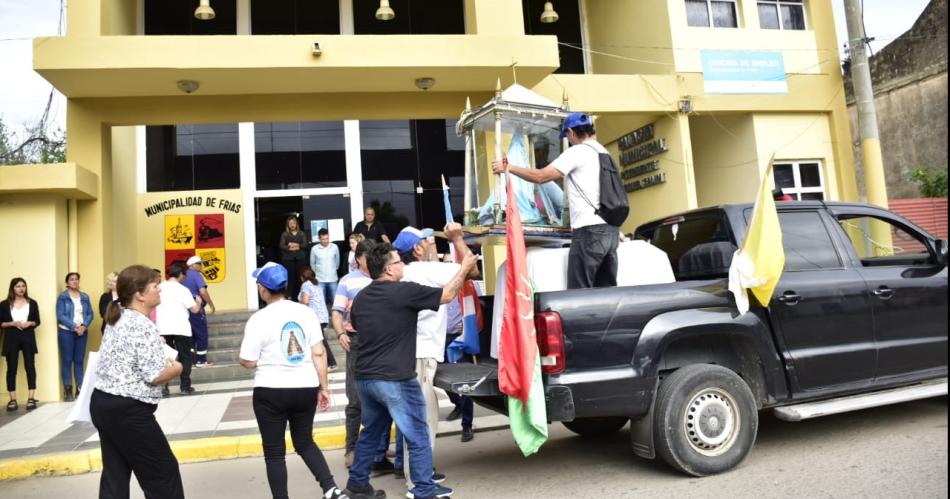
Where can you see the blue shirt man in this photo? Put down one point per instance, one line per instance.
(325, 260)
(195, 282)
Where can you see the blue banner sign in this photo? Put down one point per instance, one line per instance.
(743, 72)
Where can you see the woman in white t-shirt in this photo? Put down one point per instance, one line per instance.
(284, 342)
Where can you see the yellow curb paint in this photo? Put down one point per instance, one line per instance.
(186, 451)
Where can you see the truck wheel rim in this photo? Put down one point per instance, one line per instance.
(711, 422)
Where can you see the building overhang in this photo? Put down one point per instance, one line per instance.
(68, 180)
(130, 66)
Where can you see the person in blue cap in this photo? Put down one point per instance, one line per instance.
(283, 342)
(592, 261)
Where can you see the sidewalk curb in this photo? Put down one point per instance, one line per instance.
(186, 451)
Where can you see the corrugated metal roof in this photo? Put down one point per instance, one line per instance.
(929, 213)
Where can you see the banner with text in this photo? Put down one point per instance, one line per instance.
(743, 72)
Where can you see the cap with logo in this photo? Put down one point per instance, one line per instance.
(409, 237)
(271, 275)
(573, 120)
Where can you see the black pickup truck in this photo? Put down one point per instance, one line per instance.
(859, 319)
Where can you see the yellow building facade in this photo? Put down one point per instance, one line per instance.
(132, 94)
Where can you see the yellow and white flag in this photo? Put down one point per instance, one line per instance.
(757, 264)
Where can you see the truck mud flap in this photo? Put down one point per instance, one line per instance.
(473, 380)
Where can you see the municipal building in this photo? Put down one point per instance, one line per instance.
(190, 135)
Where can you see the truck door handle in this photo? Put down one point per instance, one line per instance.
(884, 293)
(790, 298)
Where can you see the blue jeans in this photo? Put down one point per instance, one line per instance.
(72, 351)
(403, 402)
(329, 291)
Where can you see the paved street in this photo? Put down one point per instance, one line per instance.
(896, 451)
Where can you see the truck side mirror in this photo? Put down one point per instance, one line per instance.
(941, 246)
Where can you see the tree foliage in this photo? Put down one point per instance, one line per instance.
(932, 184)
(36, 144)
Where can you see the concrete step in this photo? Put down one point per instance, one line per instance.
(232, 316)
(225, 342)
(224, 329)
(225, 356)
(218, 372)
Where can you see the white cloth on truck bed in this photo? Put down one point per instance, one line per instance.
(639, 263)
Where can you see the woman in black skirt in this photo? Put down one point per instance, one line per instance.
(19, 316)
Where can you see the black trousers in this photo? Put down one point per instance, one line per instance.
(132, 442)
(29, 365)
(274, 408)
(293, 275)
(592, 260)
(186, 355)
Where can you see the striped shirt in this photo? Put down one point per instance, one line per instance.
(346, 292)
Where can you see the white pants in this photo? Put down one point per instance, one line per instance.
(425, 373)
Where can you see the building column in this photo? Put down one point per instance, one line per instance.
(89, 144)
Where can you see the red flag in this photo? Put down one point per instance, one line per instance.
(518, 347)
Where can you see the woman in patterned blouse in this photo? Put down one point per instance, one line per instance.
(132, 368)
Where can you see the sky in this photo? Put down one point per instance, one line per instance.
(23, 92)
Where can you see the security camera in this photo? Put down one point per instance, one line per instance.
(316, 49)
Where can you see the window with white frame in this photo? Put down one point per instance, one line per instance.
(782, 14)
(712, 13)
(803, 180)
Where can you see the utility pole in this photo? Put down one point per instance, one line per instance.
(864, 96)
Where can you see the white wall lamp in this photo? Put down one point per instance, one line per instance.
(187, 86)
(204, 11)
(549, 15)
(425, 83)
(385, 12)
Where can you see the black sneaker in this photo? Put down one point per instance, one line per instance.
(437, 477)
(467, 434)
(455, 414)
(383, 467)
(188, 391)
(365, 492)
(165, 392)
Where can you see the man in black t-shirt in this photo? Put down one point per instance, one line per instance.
(370, 227)
(385, 313)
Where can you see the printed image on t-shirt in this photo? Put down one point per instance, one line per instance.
(290, 341)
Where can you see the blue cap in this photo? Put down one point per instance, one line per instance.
(409, 237)
(573, 120)
(272, 276)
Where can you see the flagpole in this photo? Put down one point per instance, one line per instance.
(496, 211)
(467, 195)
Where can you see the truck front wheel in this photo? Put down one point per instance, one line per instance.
(705, 419)
(595, 427)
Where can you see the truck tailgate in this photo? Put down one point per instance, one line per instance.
(475, 380)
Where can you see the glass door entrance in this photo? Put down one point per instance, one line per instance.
(330, 211)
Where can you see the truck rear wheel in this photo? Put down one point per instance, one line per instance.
(595, 427)
(705, 419)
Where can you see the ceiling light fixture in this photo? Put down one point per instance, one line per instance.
(385, 12)
(187, 86)
(425, 83)
(204, 11)
(549, 15)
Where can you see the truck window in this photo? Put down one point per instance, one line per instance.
(879, 242)
(807, 243)
(698, 247)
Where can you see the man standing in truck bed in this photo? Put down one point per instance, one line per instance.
(592, 262)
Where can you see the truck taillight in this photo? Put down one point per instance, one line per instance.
(550, 342)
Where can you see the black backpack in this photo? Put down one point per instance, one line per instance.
(614, 205)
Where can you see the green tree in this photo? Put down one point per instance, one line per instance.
(36, 145)
(932, 184)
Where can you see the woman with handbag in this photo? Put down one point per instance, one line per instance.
(131, 369)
